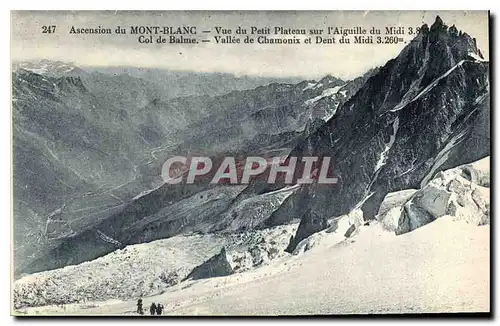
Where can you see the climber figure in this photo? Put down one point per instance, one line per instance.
(152, 309)
(139, 307)
(159, 309)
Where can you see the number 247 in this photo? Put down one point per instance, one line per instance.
(49, 29)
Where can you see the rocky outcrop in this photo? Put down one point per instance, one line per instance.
(413, 217)
(255, 248)
(425, 111)
(340, 228)
(310, 224)
(395, 199)
(350, 231)
(70, 83)
(451, 192)
(216, 266)
(390, 209)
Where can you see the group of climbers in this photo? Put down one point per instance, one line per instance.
(154, 309)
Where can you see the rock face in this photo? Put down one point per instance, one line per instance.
(391, 208)
(340, 228)
(255, 248)
(310, 224)
(216, 266)
(425, 111)
(395, 199)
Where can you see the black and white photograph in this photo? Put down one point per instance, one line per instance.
(250, 163)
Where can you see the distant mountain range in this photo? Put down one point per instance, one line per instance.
(167, 83)
(86, 144)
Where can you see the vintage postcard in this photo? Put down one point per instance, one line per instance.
(250, 163)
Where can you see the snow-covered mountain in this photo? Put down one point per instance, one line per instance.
(424, 111)
(48, 67)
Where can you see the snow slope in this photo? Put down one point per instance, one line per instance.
(149, 268)
(441, 267)
(136, 270)
(353, 266)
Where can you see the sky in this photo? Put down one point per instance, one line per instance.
(304, 60)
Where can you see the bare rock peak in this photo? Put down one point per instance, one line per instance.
(424, 29)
